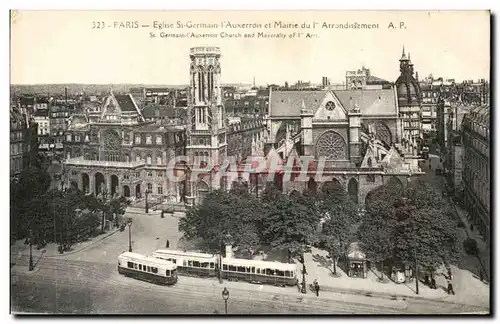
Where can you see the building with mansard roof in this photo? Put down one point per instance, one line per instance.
(114, 150)
(476, 167)
(120, 149)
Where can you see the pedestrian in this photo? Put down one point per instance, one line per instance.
(433, 283)
(316, 287)
(426, 280)
(162, 214)
(450, 288)
(450, 277)
(168, 244)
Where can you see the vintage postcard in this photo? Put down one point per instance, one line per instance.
(250, 162)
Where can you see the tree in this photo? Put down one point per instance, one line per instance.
(340, 221)
(408, 230)
(223, 213)
(271, 193)
(288, 226)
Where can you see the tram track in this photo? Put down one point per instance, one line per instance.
(97, 276)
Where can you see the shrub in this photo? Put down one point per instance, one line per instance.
(470, 246)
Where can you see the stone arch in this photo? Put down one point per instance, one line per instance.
(100, 183)
(352, 189)
(278, 180)
(73, 185)
(395, 182)
(114, 184)
(383, 133)
(331, 186)
(138, 193)
(332, 146)
(294, 194)
(202, 190)
(126, 191)
(85, 182)
(312, 186)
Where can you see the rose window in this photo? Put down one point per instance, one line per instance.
(112, 141)
(330, 105)
(331, 146)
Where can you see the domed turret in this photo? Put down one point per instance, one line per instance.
(408, 89)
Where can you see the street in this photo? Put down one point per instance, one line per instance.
(86, 281)
(67, 286)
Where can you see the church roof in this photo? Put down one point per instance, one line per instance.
(289, 103)
(376, 80)
(125, 102)
(370, 102)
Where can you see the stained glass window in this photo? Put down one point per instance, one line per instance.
(331, 146)
(330, 105)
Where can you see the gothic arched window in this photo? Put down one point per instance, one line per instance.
(158, 159)
(149, 159)
(383, 133)
(331, 146)
(330, 105)
(210, 82)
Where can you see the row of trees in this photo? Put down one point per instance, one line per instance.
(401, 228)
(391, 231)
(275, 221)
(64, 217)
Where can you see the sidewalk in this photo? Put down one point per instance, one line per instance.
(469, 290)
(51, 249)
(484, 251)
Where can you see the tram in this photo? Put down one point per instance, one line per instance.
(190, 263)
(147, 268)
(257, 271)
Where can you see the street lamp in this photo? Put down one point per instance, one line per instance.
(225, 296)
(304, 271)
(31, 267)
(147, 192)
(416, 268)
(129, 235)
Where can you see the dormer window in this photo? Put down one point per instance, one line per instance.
(330, 105)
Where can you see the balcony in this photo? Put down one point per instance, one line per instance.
(80, 161)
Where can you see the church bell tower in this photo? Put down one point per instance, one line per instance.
(206, 127)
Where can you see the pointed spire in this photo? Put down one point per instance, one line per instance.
(409, 59)
(403, 55)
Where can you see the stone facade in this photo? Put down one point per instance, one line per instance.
(476, 167)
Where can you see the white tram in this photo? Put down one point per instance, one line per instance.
(190, 263)
(147, 268)
(257, 271)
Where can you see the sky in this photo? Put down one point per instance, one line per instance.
(63, 46)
